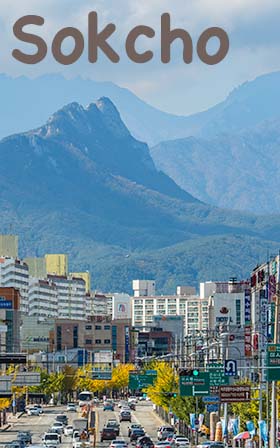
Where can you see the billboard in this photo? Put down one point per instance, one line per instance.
(121, 306)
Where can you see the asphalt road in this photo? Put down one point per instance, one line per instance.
(39, 425)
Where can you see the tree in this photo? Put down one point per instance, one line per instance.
(166, 383)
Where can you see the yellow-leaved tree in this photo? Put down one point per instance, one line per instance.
(166, 382)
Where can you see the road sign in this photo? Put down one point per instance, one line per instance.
(235, 394)
(211, 399)
(6, 304)
(141, 380)
(230, 367)
(101, 375)
(273, 362)
(217, 375)
(191, 386)
(212, 407)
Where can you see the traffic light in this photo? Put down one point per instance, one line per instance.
(189, 372)
(171, 394)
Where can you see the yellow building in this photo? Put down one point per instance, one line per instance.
(9, 246)
(57, 264)
(85, 276)
(37, 267)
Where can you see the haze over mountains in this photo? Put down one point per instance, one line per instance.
(81, 184)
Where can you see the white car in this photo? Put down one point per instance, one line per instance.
(132, 400)
(181, 442)
(33, 411)
(118, 444)
(81, 444)
(68, 430)
(71, 407)
(51, 439)
(58, 426)
(75, 436)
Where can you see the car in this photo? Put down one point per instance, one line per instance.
(25, 437)
(125, 416)
(71, 407)
(51, 439)
(209, 444)
(62, 418)
(33, 411)
(38, 406)
(181, 442)
(108, 434)
(118, 444)
(58, 426)
(144, 442)
(132, 406)
(163, 444)
(134, 426)
(108, 406)
(68, 430)
(143, 398)
(113, 424)
(132, 399)
(122, 403)
(167, 435)
(75, 436)
(81, 444)
(136, 433)
(166, 429)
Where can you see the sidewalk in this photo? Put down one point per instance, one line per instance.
(11, 419)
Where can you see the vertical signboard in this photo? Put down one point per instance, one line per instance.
(247, 341)
(247, 328)
(247, 303)
(127, 344)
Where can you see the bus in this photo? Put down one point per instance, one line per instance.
(85, 397)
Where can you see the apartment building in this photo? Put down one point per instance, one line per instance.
(14, 273)
(71, 296)
(43, 298)
(10, 318)
(57, 264)
(9, 246)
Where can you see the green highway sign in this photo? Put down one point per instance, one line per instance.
(101, 375)
(216, 375)
(194, 386)
(273, 362)
(141, 380)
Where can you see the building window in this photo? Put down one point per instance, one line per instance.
(107, 327)
(88, 327)
(107, 341)
(75, 336)
(88, 341)
(114, 337)
(238, 312)
(98, 341)
(58, 338)
(98, 327)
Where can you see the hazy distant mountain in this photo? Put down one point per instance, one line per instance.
(81, 184)
(239, 171)
(27, 103)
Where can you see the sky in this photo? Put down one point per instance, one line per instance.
(252, 26)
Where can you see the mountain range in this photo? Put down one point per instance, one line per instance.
(83, 185)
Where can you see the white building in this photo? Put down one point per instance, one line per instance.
(121, 306)
(71, 297)
(144, 288)
(191, 307)
(43, 298)
(15, 273)
(97, 304)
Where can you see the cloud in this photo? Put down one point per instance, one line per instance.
(252, 26)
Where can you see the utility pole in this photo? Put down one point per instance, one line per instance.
(273, 423)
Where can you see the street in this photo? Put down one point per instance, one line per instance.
(39, 425)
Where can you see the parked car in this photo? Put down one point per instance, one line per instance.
(108, 434)
(134, 426)
(25, 437)
(136, 433)
(113, 424)
(62, 418)
(68, 430)
(108, 406)
(125, 416)
(33, 411)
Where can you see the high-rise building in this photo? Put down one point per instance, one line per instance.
(71, 297)
(37, 267)
(85, 276)
(9, 246)
(14, 273)
(43, 299)
(57, 264)
(10, 318)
